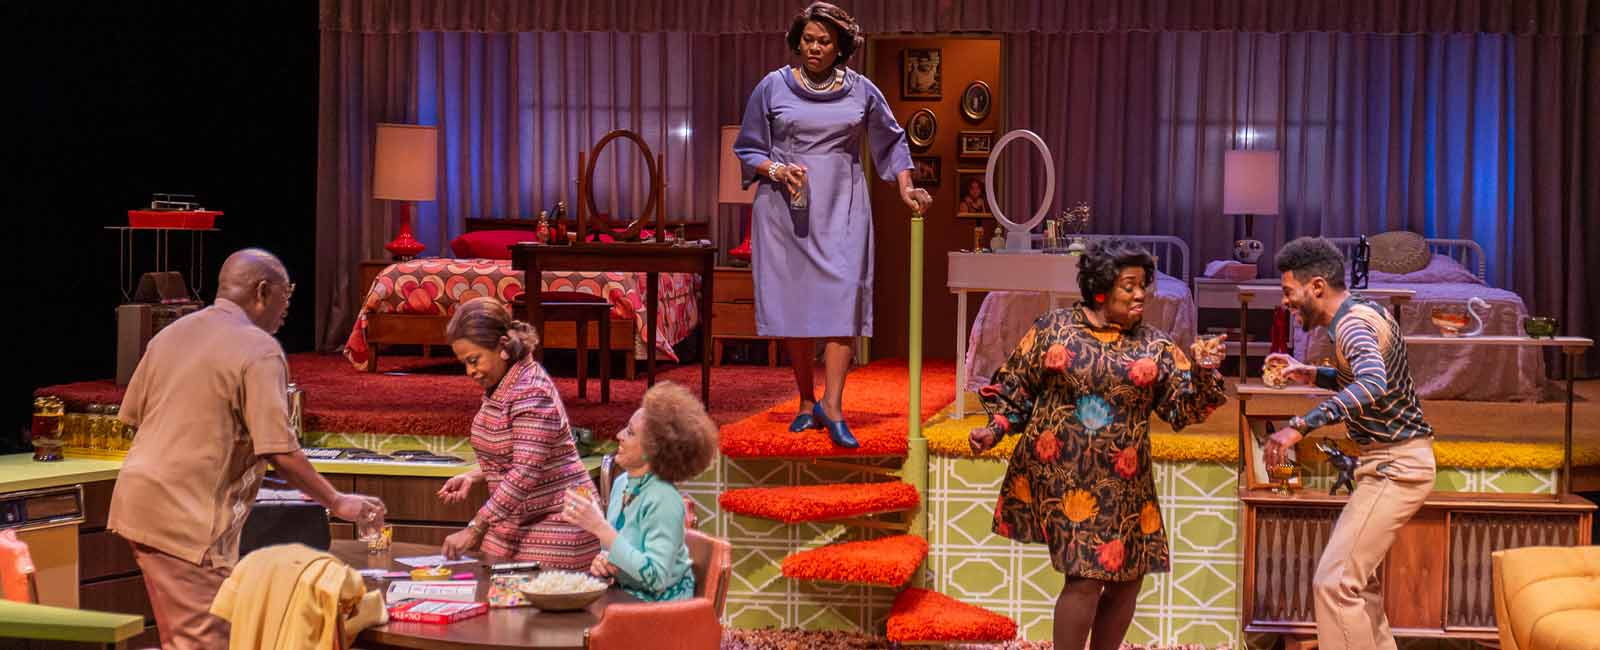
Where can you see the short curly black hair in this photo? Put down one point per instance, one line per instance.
(1104, 261)
(846, 33)
(1312, 257)
(679, 437)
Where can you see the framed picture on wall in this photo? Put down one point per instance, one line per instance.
(926, 171)
(976, 100)
(974, 201)
(974, 144)
(920, 74)
(921, 128)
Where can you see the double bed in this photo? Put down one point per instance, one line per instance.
(1005, 316)
(410, 302)
(1455, 273)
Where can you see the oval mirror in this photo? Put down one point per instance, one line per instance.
(1017, 233)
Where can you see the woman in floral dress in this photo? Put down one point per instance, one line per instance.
(1080, 389)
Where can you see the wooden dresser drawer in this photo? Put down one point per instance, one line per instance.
(733, 319)
(411, 498)
(733, 285)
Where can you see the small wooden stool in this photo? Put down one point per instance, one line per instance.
(579, 308)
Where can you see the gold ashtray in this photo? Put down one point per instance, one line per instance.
(1287, 475)
(431, 573)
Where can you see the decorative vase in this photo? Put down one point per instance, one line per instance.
(1248, 250)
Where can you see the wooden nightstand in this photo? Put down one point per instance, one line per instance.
(733, 313)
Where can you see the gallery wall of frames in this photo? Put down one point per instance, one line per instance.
(948, 95)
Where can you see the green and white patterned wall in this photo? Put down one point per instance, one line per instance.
(1195, 603)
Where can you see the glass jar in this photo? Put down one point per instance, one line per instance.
(74, 428)
(97, 428)
(116, 438)
(45, 431)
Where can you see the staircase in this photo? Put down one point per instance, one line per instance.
(893, 505)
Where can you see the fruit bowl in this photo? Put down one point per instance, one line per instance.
(1450, 323)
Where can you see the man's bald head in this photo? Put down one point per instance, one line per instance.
(256, 281)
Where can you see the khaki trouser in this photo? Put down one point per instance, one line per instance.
(1390, 485)
(181, 595)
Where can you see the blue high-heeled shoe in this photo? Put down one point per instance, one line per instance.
(803, 422)
(837, 430)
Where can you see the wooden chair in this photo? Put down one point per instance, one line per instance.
(579, 308)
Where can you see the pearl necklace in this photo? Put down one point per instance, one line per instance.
(825, 86)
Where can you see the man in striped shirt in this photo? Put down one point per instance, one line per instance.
(1377, 402)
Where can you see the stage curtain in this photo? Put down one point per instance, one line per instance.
(1470, 136)
(1524, 17)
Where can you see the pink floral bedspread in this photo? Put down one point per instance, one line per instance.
(434, 286)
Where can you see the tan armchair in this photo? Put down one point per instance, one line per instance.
(1547, 597)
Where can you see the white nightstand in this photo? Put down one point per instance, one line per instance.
(1217, 303)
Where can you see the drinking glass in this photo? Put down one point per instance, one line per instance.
(377, 534)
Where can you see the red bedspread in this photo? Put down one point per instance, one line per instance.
(434, 286)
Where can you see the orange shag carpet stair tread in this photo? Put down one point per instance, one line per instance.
(875, 403)
(922, 615)
(820, 502)
(887, 561)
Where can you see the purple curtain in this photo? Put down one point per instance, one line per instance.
(1525, 17)
(1449, 135)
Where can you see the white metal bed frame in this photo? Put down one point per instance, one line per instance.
(1465, 252)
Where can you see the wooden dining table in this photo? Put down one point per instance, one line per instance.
(651, 259)
(512, 627)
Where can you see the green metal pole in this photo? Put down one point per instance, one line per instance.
(916, 467)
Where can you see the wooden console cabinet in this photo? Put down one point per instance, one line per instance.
(1436, 578)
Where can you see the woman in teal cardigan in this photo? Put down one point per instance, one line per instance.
(669, 439)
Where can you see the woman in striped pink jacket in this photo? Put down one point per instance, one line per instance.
(524, 447)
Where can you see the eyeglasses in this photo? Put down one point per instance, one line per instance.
(288, 287)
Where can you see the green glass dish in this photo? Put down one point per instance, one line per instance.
(1540, 326)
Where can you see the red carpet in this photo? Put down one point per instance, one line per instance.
(875, 403)
(437, 399)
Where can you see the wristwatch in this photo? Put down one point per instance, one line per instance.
(1298, 423)
(476, 526)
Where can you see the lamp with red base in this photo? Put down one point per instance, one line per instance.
(730, 190)
(405, 168)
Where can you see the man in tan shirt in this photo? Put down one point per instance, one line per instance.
(210, 401)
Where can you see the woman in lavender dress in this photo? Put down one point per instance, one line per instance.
(811, 240)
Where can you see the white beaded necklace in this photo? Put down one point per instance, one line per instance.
(832, 81)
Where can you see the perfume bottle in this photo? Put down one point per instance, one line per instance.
(541, 232)
(997, 243)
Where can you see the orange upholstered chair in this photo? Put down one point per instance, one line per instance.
(693, 624)
(1547, 597)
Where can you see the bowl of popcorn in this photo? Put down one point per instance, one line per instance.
(561, 591)
(1272, 372)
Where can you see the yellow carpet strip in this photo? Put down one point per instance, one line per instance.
(948, 437)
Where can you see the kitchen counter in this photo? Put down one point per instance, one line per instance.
(19, 472)
(41, 622)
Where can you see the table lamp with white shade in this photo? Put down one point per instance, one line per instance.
(1249, 187)
(730, 190)
(405, 168)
